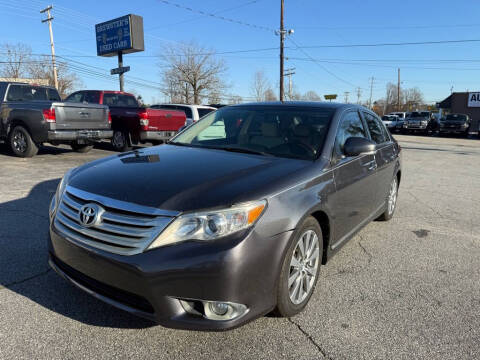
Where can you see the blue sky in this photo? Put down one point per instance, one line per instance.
(432, 68)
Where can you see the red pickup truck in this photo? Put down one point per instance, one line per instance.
(132, 123)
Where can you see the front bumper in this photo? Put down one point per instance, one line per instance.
(240, 269)
(69, 135)
(414, 127)
(157, 135)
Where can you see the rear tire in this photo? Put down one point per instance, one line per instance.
(21, 142)
(391, 201)
(300, 269)
(121, 141)
(81, 148)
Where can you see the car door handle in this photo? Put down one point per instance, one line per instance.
(371, 165)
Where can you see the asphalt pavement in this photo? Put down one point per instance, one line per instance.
(403, 289)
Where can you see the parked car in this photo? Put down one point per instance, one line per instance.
(31, 115)
(132, 123)
(401, 118)
(240, 223)
(416, 122)
(455, 124)
(391, 122)
(192, 112)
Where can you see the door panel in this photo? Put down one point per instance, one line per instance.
(355, 193)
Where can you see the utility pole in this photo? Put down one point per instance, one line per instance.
(346, 93)
(451, 90)
(359, 94)
(52, 45)
(398, 91)
(282, 32)
(372, 79)
(289, 73)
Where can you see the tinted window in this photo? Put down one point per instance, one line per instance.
(376, 128)
(293, 132)
(202, 112)
(75, 97)
(350, 126)
(92, 97)
(119, 100)
(186, 110)
(31, 93)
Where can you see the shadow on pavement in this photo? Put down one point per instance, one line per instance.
(23, 260)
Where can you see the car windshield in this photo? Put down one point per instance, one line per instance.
(283, 131)
(456, 117)
(388, 118)
(416, 114)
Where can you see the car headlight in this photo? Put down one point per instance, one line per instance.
(424, 122)
(62, 185)
(210, 225)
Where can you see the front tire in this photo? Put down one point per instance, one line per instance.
(21, 142)
(391, 201)
(81, 148)
(300, 269)
(121, 141)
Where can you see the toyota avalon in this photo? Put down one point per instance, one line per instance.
(229, 221)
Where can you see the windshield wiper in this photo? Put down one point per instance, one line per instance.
(239, 150)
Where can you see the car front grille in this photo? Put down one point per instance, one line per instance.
(120, 227)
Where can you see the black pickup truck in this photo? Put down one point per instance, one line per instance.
(31, 115)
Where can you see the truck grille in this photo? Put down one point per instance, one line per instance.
(116, 226)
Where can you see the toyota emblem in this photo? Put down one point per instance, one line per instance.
(89, 214)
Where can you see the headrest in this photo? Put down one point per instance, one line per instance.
(301, 130)
(270, 129)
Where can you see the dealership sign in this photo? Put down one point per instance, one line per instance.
(474, 99)
(123, 34)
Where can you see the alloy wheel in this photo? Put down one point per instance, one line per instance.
(19, 141)
(118, 140)
(392, 196)
(303, 267)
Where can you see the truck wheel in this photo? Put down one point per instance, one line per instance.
(81, 148)
(121, 141)
(21, 142)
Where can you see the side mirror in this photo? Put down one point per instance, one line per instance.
(355, 146)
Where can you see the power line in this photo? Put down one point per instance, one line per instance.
(393, 44)
(223, 18)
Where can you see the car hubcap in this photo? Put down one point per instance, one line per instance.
(19, 141)
(118, 139)
(392, 197)
(303, 267)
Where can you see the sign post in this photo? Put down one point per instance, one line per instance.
(123, 35)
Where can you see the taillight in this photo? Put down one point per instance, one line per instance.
(143, 118)
(49, 115)
(109, 117)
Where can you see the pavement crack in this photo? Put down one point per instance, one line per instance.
(310, 339)
(25, 280)
(370, 256)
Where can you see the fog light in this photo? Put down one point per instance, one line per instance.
(213, 310)
(218, 308)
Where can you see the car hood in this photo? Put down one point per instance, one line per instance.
(184, 178)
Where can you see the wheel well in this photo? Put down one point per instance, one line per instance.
(399, 176)
(16, 122)
(324, 222)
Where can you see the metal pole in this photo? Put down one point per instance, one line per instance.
(371, 91)
(120, 65)
(52, 45)
(282, 40)
(398, 91)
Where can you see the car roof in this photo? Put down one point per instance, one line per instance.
(311, 104)
(190, 105)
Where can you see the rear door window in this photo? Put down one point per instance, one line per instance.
(92, 97)
(26, 93)
(203, 111)
(120, 100)
(186, 110)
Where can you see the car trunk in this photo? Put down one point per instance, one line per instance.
(79, 116)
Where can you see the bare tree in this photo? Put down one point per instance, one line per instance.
(260, 85)
(235, 99)
(193, 69)
(16, 59)
(312, 96)
(270, 95)
(67, 80)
